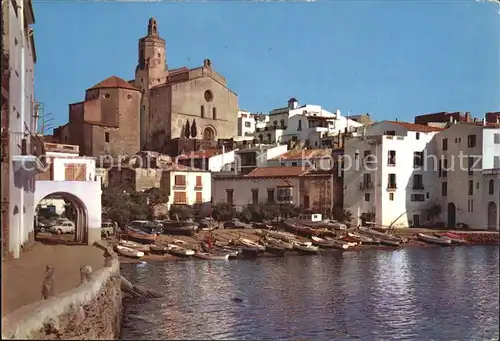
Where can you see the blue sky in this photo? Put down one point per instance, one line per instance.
(393, 59)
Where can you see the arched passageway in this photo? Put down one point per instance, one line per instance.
(492, 212)
(69, 211)
(209, 134)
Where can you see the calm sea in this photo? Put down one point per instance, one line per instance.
(438, 293)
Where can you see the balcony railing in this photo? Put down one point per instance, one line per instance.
(391, 187)
(62, 148)
(287, 199)
(418, 186)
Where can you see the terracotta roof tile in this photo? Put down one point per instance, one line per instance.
(301, 154)
(416, 127)
(113, 82)
(265, 172)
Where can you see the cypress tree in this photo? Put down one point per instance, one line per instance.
(194, 131)
(187, 130)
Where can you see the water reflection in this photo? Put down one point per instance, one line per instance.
(432, 293)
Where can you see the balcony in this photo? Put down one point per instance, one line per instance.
(418, 187)
(392, 187)
(364, 186)
(62, 148)
(285, 200)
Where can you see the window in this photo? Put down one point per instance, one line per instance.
(75, 172)
(199, 197)
(255, 196)
(390, 132)
(214, 113)
(471, 187)
(202, 111)
(285, 194)
(367, 196)
(282, 124)
(180, 198)
(418, 197)
(106, 96)
(445, 144)
(391, 160)
(180, 180)
(491, 186)
(496, 162)
(471, 141)
(208, 95)
(417, 135)
(199, 183)
(229, 196)
(418, 159)
(367, 181)
(470, 161)
(444, 189)
(368, 157)
(270, 195)
(470, 206)
(247, 125)
(294, 164)
(106, 137)
(392, 181)
(496, 138)
(444, 168)
(418, 182)
(300, 125)
(391, 196)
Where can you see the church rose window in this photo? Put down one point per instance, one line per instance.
(209, 96)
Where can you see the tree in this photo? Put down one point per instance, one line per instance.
(181, 212)
(223, 211)
(123, 204)
(187, 130)
(155, 196)
(194, 130)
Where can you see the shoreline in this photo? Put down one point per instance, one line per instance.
(473, 238)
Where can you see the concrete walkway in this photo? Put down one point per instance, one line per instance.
(22, 278)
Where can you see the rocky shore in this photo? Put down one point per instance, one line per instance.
(224, 235)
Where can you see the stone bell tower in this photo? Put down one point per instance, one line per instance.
(151, 70)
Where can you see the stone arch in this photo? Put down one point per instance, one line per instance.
(209, 133)
(492, 213)
(85, 197)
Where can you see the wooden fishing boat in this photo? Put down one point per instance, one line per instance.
(248, 243)
(389, 242)
(339, 244)
(275, 250)
(158, 249)
(362, 239)
(140, 236)
(433, 240)
(307, 249)
(454, 235)
(210, 256)
(218, 249)
(180, 251)
(279, 243)
(129, 252)
(135, 246)
(187, 228)
(323, 243)
(377, 234)
(455, 238)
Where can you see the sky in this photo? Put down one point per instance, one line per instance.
(393, 59)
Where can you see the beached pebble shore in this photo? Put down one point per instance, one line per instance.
(472, 237)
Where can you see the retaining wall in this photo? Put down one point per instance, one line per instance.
(91, 311)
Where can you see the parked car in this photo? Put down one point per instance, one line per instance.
(108, 229)
(234, 224)
(262, 225)
(66, 226)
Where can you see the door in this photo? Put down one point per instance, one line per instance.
(492, 216)
(452, 218)
(306, 201)
(416, 220)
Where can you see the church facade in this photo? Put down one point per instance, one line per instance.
(121, 117)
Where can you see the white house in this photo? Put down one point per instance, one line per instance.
(187, 186)
(386, 173)
(72, 178)
(468, 188)
(248, 122)
(250, 158)
(22, 126)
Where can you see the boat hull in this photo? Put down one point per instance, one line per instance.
(433, 240)
(129, 252)
(185, 229)
(209, 256)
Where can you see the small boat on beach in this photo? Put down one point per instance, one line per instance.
(180, 251)
(139, 235)
(275, 250)
(279, 243)
(136, 246)
(160, 249)
(218, 249)
(323, 243)
(455, 238)
(389, 242)
(248, 243)
(210, 256)
(433, 240)
(129, 252)
(187, 228)
(362, 239)
(307, 249)
(377, 234)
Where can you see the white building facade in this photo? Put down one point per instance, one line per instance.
(387, 174)
(22, 125)
(187, 187)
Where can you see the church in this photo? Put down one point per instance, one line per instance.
(150, 112)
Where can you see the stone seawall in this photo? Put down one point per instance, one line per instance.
(93, 310)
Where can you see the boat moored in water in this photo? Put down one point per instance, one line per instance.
(210, 256)
(129, 252)
(178, 251)
(433, 240)
(307, 249)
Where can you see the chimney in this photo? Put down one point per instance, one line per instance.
(467, 117)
